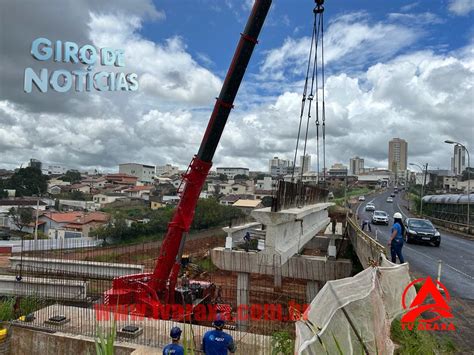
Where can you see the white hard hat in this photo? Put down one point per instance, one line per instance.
(397, 215)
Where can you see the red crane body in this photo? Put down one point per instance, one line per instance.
(145, 293)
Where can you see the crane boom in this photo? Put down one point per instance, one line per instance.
(158, 287)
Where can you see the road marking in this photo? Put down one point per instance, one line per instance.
(452, 267)
(401, 210)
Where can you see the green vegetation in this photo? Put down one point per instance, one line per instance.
(21, 216)
(29, 304)
(71, 176)
(419, 342)
(208, 214)
(26, 181)
(205, 264)
(74, 195)
(350, 193)
(7, 311)
(282, 343)
(104, 342)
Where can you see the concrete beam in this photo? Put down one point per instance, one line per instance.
(237, 233)
(92, 269)
(288, 231)
(43, 288)
(313, 268)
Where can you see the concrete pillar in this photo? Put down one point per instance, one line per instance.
(243, 299)
(312, 289)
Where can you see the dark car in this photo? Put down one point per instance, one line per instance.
(421, 230)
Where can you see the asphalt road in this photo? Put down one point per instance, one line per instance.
(456, 253)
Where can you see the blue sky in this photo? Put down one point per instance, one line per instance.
(394, 69)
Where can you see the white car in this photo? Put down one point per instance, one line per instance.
(370, 207)
(380, 217)
(389, 199)
(361, 198)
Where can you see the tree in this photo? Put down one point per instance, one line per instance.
(222, 177)
(28, 181)
(73, 176)
(21, 216)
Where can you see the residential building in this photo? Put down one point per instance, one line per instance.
(356, 166)
(231, 172)
(78, 205)
(142, 192)
(108, 197)
(55, 170)
(84, 188)
(167, 170)
(450, 183)
(95, 182)
(397, 155)
(123, 179)
(54, 189)
(247, 206)
(72, 224)
(463, 185)
(267, 184)
(144, 173)
(156, 202)
(458, 161)
(305, 163)
(279, 167)
(337, 169)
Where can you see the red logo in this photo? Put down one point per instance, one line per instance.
(428, 302)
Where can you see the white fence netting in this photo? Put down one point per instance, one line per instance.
(353, 315)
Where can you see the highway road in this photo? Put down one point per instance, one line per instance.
(456, 253)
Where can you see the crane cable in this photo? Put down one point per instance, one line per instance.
(303, 100)
(317, 32)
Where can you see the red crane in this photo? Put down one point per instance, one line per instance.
(146, 293)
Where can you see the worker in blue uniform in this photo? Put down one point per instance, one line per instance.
(218, 342)
(174, 348)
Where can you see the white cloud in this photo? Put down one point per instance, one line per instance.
(461, 7)
(350, 40)
(165, 70)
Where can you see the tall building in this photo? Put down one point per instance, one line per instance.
(278, 167)
(458, 161)
(35, 163)
(230, 172)
(305, 163)
(397, 155)
(144, 173)
(356, 166)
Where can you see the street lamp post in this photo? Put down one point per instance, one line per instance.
(468, 180)
(424, 170)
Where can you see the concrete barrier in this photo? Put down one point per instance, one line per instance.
(57, 289)
(367, 249)
(91, 269)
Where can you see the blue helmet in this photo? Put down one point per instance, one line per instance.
(219, 321)
(175, 333)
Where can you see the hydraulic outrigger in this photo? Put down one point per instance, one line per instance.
(146, 293)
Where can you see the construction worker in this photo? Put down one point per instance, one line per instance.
(247, 239)
(218, 342)
(366, 222)
(396, 239)
(174, 348)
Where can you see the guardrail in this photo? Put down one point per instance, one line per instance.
(367, 249)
